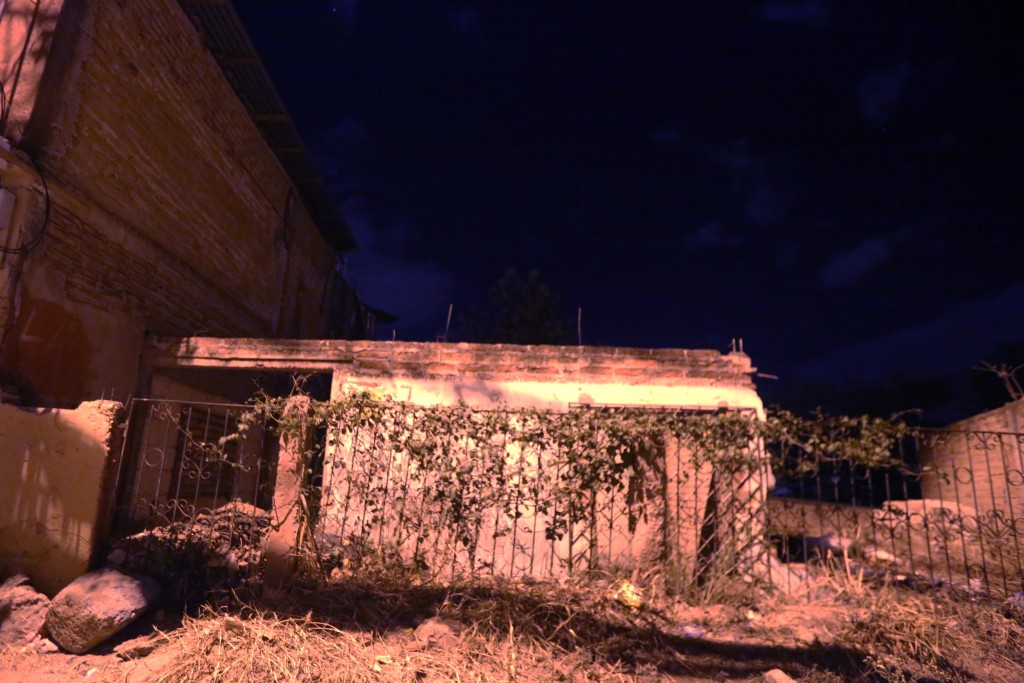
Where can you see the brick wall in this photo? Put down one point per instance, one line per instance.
(551, 363)
(571, 365)
(168, 210)
(983, 459)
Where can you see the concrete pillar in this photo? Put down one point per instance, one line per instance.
(688, 485)
(286, 519)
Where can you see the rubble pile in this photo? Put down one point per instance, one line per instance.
(205, 558)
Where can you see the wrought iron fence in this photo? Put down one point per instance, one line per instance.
(946, 514)
(192, 495)
(951, 515)
(509, 508)
(948, 511)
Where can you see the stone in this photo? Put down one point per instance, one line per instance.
(117, 557)
(155, 667)
(140, 647)
(97, 605)
(692, 631)
(22, 611)
(45, 646)
(777, 676)
(438, 633)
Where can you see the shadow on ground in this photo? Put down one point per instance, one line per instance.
(572, 619)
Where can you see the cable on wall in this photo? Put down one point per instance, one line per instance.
(38, 237)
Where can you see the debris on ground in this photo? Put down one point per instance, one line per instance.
(206, 558)
(22, 611)
(438, 633)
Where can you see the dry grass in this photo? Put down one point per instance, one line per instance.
(540, 631)
(358, 628)
(905, 634)
(942, 637)
(260, 646)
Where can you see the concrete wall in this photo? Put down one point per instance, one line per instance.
(659, 516)
(167, 211)
(550, 377)
(52, 469)
(983, 457)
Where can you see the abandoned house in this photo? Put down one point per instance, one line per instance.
(165, 238)
(370, 492)
(152, 183)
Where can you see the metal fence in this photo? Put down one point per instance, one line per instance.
(512, 510)
(952, 515)
(192, 495)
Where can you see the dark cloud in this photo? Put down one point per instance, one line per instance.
(849, 268)
(714, 235)
(467, 21)
(880, 92)
(666, 135)
(950, 343)
(387, 275)
(348, 9)
(807, 12)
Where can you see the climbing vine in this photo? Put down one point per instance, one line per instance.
(397, 478)
(597, 444)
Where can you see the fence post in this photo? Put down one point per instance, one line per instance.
(286, 517)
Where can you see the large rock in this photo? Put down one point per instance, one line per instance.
(22, 611)
(96, 606)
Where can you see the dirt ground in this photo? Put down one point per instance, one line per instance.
(719, 643)
(368, 632)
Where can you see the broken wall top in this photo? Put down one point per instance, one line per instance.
(550, 376)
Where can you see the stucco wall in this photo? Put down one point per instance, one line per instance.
(553, 377)
(168, 212)
(52, 468)
(673, 489)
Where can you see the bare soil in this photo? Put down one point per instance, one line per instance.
(362, 629)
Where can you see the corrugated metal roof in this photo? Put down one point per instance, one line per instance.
(225, 37)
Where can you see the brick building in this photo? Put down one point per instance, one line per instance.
(152, 184)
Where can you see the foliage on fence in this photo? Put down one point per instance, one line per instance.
(556, 465)
(599, 439)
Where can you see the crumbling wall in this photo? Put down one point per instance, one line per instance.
(660, 515)
(979, 462)
(53, 465)
(481, 376)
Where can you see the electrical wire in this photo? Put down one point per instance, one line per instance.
(3, 101)
(38, 237)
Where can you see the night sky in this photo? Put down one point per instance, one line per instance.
(840, 184)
